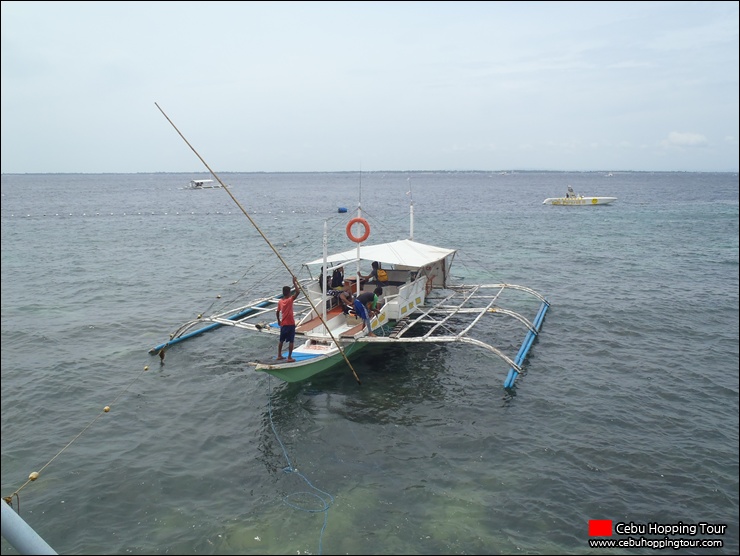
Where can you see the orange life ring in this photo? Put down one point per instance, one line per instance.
(365, 226)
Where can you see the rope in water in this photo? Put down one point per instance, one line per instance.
(36, 474)
(327, 502)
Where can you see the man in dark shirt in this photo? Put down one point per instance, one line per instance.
(337, 278)
(363, 308)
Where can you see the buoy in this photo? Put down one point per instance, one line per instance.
(365, 226)
(342, 209)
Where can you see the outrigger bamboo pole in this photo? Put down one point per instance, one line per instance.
(223, 185)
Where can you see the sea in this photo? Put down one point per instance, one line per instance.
(622, 427)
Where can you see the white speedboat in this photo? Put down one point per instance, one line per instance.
(578, 201)
(203, 184)
(573, 199)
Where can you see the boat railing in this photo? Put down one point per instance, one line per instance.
(407, 298)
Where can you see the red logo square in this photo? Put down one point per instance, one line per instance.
(600, 528)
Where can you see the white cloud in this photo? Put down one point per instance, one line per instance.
(684, 139)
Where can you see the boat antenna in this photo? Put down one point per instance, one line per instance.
(359, 201)
(223, 185)
(411, 210)
(359, 215)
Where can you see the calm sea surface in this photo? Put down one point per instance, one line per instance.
(627, 410)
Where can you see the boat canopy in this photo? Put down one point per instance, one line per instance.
(405, 252)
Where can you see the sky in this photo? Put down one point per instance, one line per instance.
(104, 87)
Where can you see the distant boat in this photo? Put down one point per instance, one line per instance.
(573, 199)
(203, 184)
(577, 201)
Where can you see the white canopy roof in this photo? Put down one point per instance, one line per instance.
(404, 252)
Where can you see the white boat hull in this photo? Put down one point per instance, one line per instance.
(578, 201)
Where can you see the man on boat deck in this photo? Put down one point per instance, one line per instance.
(375, 275)
(286, 320)
(337, 279)
(363, 308)
(375, 305)
(343, 296)
(346, 300)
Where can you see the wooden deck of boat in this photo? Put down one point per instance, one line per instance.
(345, 331)
(349, 333)
(314, 322)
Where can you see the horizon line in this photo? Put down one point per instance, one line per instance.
(499, 172)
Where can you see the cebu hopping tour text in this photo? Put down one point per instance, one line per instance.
(655, 535)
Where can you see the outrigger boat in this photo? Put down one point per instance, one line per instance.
(572, 199)
(203, 184)
(421, 304)
(410, 312)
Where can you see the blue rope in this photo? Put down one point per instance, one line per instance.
(290, 469)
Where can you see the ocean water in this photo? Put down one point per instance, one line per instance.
(627, 410)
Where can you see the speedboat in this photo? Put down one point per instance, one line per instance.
(573, 199)
(203, 184)
(579, 201)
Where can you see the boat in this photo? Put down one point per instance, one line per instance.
(573, 199)
(420, 304)
(203, 184)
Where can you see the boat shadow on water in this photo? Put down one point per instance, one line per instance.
(391, 378)
(395, 395)
(398, 386)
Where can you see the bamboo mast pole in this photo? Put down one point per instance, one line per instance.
(223, 185)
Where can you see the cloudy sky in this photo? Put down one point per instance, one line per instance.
(347, 86)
